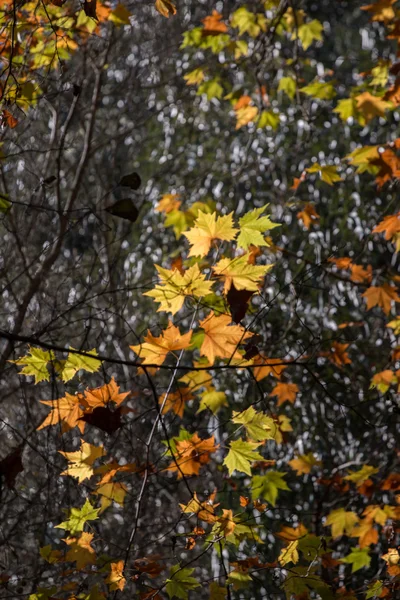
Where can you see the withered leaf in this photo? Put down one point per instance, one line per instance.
(238, 301)
(124, 209)
(105, 419)
(132, 181)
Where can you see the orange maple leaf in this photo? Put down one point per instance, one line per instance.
(221, 338)
(154, 350)
(67, 411)
(116, 579)
(168, 203)
(101, 396)
(213, 24)
(342, 263)
(227, 523)
(389, 166)
(165, 8)
(176, 401)
(286, 392)
(191, 454)
(268, 366)
(308, 215)
(338, 354)
(371, 106)
(361, 275)
(381, 296)
(382, 10)
(390, 225)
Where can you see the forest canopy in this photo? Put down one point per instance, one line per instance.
(200, 283)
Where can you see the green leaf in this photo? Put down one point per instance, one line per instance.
(248, 22)
(251, 227)
(36, 364)
(268, 119)
(358, 559)
(374, 589)
(258, 426)
(180, 582)
(320, 90)
(328, 173)
(301, 580)
(78, 517)
(193, 37)
(4, 204)
(43, 593)
(240, 455)
(77, 362)
(358, 477)
(308, 33)
(212, 89)
(346, 108)
(239, 579)
(287, 85)
(268, 486)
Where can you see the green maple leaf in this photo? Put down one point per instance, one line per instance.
(268, 486)
(358, 477)
(358, 559)
(374, 589)
(251, 227)
(212, 400)
(287, 85)
(320, 90)
(240, 455)
(301, 579)
(346, 108)
(180, 582)
(258, 426)
(268, 119)
(328, 173)
(308, 33)
(36, 364)
(78, 517)
(77, 362)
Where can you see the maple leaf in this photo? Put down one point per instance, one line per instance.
(217, 592)
(120, 15)
(226, 523)
(221, 337)
(67, 411)
(176, 401)
(286, 392)
(304, 463)
(367, 534)
(240, 273)
(204, 510)
(191, 454)
(390, 225)
(341, 521)
(289, 554)
(213, 24)
(78, 517)
(258, 426)
(358, 477)
(111, 492)
(308, 33)
(381, 296)
(361, 275)
(207, 228)
(81, 550)
(292, 533)
(338, 354)
(383, 380)
(388, 166)
(381, 11)
(212, 400)
(245, 115)
(267, 486)
(116, 579)
(154, 350)
(328, 173)
(101, 396)
(308, 215)
(180, 582)
(76, 362)
(358, 559)
(165, 8)
(35, 364)
(371, 106)
(174, 287)
(251, 226)
(268, 366)
(240, 456)
(168, 202)
(81, 461)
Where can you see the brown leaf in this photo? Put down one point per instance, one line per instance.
(105, 419)
(238, 301)
(11, 465)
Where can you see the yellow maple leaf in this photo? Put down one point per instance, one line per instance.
(381, 296)
(81, 461)
(240, 273)
(245, 115)
(209, 227)
(286, 392)
(289, 554)
(176, 401)
(67, 411)
(113, 491)
(392, 557)
(221, 338)
(154, 350)
(116, 579)
(371, 106)
(341, 521)
(304, 463)
(227, 524)
(81, 550)
(175, 286)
